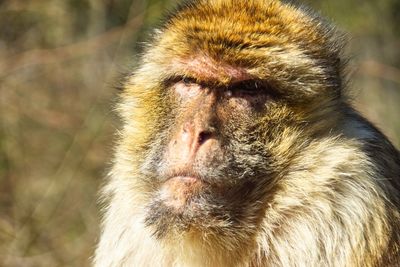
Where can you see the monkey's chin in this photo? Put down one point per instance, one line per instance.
(177, 191)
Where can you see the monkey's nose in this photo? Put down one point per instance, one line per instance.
(188, 141)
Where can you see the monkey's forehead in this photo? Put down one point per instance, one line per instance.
(255, 37)
(243, 31)
(227, 40)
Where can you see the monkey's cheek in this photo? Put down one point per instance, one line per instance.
(178, 191)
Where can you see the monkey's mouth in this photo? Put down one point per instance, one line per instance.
(177, 191)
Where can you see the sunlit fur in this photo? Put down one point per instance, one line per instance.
(331, 197)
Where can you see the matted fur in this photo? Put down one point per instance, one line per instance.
(334, 196)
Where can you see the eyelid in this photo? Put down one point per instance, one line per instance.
(247, 85)
(188, 80)
(179, 78)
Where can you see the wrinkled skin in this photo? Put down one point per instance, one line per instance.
(211, 163)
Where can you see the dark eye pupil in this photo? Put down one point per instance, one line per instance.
(249, 88)
(188, 80)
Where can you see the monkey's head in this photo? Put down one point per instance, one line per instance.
(227, 94)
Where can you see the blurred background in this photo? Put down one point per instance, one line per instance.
(59, 62)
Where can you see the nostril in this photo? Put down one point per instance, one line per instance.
(204, 136)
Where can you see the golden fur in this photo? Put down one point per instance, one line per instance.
(334, 197)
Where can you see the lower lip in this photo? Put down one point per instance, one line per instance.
(186, 183)
(185, 178)
(178, 190)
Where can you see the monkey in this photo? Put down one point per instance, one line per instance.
(240, 147)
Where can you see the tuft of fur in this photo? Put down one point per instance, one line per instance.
(330, 191)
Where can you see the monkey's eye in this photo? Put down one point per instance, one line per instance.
(188, 80)
(249, 88)
(186, 87)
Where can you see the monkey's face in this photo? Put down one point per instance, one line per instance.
(222, 95)
(209, 165)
